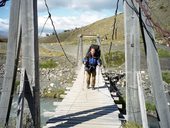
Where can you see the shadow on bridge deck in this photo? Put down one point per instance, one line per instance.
(74, 119)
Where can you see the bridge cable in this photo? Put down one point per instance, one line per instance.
(115, 19)
(3, 2)
(142, 30)
(164, 33)
(114, 25)
(143, 23)
(44, 26)
(151, 23)
(114, 29)
(55, 32)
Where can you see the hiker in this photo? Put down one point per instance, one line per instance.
(91, 60)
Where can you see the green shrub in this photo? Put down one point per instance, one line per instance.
(17, 83)
(163, 53)
(166, 76)
(131, 125)
(48, 64)
(115, 59)
(54, 93)
(150, 107)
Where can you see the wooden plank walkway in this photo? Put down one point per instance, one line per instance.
(86, 108)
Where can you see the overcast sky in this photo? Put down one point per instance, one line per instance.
(67, 14)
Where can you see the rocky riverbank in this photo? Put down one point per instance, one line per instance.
(53, 81)
(146, 84)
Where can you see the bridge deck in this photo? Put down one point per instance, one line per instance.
(86, 108)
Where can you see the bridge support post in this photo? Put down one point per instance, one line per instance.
(30, 57)
(142, 102)
(80, 50)
(23, 13)
(155, 74)
(132, 63)
(11, 63)
(19, 121)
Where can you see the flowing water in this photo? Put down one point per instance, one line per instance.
(153, 122)
(47, 108)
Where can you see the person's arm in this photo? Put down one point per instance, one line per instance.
(99, 62)
(84, 60)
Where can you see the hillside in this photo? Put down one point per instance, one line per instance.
(102, 27)
(160, 13)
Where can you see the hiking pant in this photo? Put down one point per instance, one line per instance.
(91, 75)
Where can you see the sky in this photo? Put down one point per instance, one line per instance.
(67, 14)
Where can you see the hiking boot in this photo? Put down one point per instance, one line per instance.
(93, 88)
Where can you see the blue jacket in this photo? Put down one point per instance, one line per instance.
(91, 63)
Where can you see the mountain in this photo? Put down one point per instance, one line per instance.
(102, 27)
(160, 11)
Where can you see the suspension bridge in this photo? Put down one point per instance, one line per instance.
(82, 108)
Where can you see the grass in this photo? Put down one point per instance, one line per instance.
(2, 51)
(131, 125)
(54, 93)
(163, 53)
(166, 76)
(17, 83)
(48, 64)
(48, 53)
(150, 107)
(115, 59)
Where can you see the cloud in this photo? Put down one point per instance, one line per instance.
(93, 4)
(4, 24)
(61, 22)
(69, 22)
(80, 13)
(78, 4)
(75, 13)
(52, 4)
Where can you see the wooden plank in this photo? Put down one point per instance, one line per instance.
(86, 107)
(10, 69)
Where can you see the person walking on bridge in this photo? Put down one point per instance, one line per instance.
(91, 61)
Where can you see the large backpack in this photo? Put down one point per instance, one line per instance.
(97, 50)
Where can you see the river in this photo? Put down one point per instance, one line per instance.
(49, 106)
